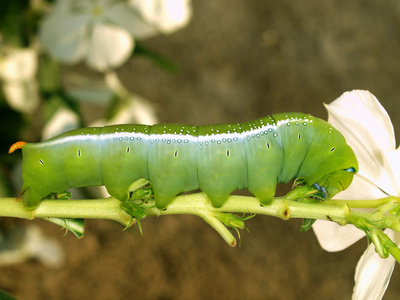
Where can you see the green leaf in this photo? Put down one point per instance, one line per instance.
(307, 223)
(134, 209)
(76, 226)
(49, 74)
(158, 59)
(6, 296)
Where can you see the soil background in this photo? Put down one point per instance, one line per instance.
(238, 60)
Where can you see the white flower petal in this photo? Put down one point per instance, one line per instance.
(19, 64)
(135, 110)
(64, 36)
(109, 47)
(360, 108)
(128, 18)
(368, 130)
(22, 96)
(62, 121)
(361, 189)
(166, 15)
(333, 237)
(393, 160)
(373, 274)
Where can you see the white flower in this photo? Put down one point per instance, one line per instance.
(18, 68)
(62, 120)
(166, 15)
(98, 32)
(365, 124)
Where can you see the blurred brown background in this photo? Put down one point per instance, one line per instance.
(238, 60)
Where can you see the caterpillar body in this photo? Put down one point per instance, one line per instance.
(216, 159)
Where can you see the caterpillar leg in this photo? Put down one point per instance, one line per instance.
(264, 192)
(305, 191)
(323, 193)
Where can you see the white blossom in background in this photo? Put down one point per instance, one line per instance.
(133, 110)
(29, 242)
(18, 69)
(62, 120)
(365, 124)
(98, 32)
(102, 32)
(166, 16)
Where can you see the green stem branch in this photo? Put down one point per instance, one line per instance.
(86, 209)
(198, 204)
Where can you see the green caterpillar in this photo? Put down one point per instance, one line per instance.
(216, 159)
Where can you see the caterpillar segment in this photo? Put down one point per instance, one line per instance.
(216, 159)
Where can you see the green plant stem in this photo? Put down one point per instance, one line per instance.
(280, 207)
(366, 203)
(198, 204)
(86, 209)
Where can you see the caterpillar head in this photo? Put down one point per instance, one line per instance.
(338, 172)
(330, 163)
